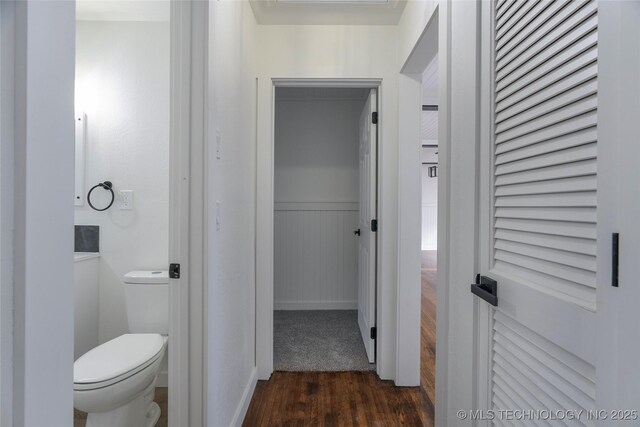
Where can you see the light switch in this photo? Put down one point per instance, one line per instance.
(126, 200)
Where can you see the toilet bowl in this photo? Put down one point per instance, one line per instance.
(115, 382)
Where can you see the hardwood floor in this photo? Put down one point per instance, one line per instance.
(335, 399)
(353, 398)
(428, 324)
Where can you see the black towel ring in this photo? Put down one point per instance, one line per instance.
(107, 185)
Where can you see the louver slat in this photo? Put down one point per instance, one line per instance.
(550, 146)
(545, 153)
(530, 43)
(530, 372)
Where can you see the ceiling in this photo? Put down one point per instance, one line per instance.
(123, 10)
(328, 12)
(430, 83)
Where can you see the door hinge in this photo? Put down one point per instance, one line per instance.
(374, 225)
(374, 333)
(615, 259)
(174, 271)
(374, 117)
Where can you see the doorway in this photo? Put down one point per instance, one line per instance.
(183, 27)
(122, 213)
(429, 223)
(325, 190)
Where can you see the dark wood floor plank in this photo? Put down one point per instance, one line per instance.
(354, 398)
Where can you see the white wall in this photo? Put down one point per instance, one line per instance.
(412, 24)
(316, 203)
(231, 181)
(122, 85)
(319, 51)
(316, 150)
(85, 281)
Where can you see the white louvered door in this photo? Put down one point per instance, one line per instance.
(539, 237)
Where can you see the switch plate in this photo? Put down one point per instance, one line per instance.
(126, 200)
(218, 144)
(218, 221)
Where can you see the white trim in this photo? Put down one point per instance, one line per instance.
(315, 305)
(40, 114)
(409, 238)
(187, 225)
(345, 83)
(265, 210)
(410, 212)
(247, 394)
(7, 60)
(484, 312)
(462, 127)
(617, 334)
(457, 196)
(444, 201)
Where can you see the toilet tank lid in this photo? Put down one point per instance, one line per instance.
(147, 277)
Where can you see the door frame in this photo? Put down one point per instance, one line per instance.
(265, 208)
(452, 27)
(187, 373)
(485, 312)
(188, 213)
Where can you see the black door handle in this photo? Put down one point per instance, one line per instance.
(357, 232)
(486, 288)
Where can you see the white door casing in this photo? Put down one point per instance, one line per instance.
(187, 216)
(367, 214)
(537, 348)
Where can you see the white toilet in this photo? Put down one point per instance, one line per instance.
(115, 382)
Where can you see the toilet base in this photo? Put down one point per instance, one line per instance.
(153, 414)
(140, 412)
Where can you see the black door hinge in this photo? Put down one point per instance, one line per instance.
(615, 259)
(374, 333)
(374, 225)
(174, 271)
(374, 117)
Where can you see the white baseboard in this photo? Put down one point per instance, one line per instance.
(315, 305)
(243, 406)
(163, 379)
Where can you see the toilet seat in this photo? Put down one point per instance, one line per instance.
(117, 360)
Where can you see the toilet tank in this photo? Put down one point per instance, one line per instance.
(147, 299)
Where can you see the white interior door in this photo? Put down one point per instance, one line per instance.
(540, 219)
(367, 224)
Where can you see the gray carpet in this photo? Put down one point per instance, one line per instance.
(318, 340)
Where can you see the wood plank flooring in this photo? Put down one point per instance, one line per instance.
(353, 398)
